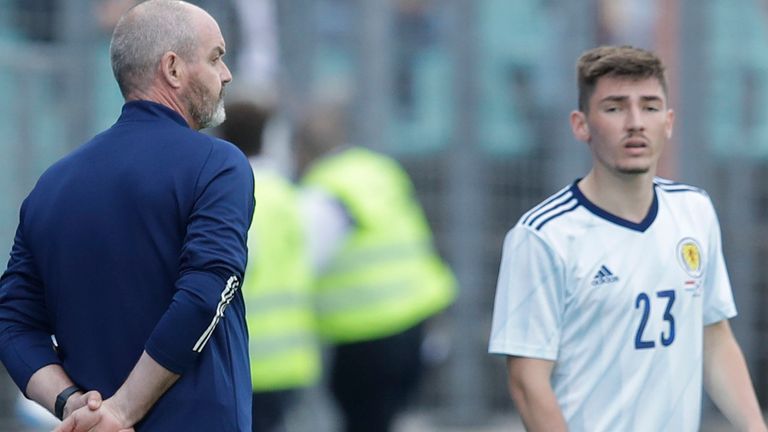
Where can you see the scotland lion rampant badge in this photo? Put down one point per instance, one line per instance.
(690, 257)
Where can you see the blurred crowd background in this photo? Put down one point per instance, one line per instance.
(471, 96)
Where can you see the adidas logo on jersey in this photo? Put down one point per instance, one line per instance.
(604, 276)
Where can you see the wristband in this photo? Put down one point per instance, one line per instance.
(61, 400)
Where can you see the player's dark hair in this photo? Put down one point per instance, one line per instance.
(616, 61)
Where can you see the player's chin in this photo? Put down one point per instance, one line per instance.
(636, 169)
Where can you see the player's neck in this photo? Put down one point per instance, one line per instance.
(627, 196)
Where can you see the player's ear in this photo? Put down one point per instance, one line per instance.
(579, 126)
(669, 123)
(172, 69)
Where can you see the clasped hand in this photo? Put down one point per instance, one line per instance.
(88, 413)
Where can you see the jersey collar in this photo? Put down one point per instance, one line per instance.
(138, 110)
(597, 211)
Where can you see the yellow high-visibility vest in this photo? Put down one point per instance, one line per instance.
(277, 287)
(387, 276)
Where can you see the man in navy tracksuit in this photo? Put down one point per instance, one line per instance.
(130, 250)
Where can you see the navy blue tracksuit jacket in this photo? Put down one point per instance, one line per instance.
(137, 241)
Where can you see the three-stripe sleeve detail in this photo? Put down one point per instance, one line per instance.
(558, 205)
(226, 297)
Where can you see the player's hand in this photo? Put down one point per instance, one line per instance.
(105, 418)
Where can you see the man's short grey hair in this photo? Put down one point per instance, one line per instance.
(143, 35)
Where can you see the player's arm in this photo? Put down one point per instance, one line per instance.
(527, 318)
(530, 388)
(726, 378)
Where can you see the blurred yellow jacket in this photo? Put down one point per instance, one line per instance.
(277, 288)
(387, 276)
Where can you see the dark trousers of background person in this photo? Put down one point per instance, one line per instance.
(373, 380)
(269, 410)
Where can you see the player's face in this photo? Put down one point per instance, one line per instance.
(627, 125)
(204, 93)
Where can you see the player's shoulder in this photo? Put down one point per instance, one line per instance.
(556, 207)
(681, 194)
(672, 187)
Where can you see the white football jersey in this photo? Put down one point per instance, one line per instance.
(618, 306)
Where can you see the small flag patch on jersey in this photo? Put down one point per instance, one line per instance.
(604, 276)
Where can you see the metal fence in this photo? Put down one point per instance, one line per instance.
(473, 98)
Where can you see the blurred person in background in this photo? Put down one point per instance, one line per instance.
(129, 249)
(379, 276)
(284, 349)
(613, 297)
(627, 22)
(417, 33)
(257, 59)
(45, 21)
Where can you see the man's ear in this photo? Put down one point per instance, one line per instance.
(579, 126)
(172, 69)
(669, 123)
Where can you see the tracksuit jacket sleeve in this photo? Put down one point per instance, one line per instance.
(25, 333)
(212, 261)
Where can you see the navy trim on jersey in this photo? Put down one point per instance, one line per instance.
(548, 214)
(558, 214)
(670, 186)
(551, 210)
(543, 205)
(597, 211)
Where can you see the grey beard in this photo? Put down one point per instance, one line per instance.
(206, 112)
(215, 118)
